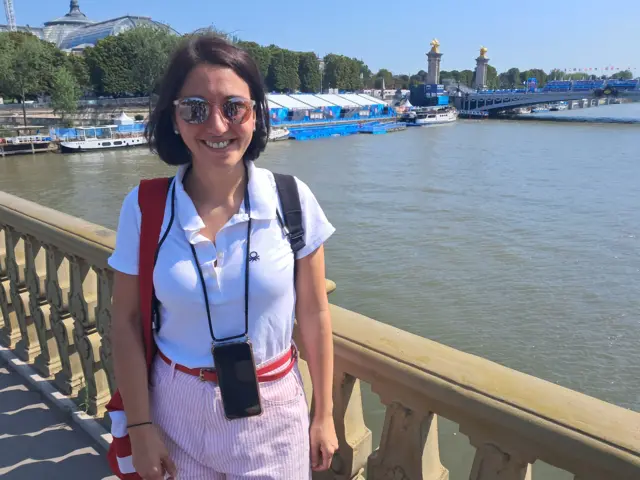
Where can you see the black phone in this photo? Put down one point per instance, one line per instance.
(237, 379)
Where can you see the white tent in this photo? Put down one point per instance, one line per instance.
(123, 119)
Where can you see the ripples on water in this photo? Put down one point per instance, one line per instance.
(516, 241)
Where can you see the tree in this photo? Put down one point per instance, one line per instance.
(492, 78)
(365, 74)
(77, 66)
(283, 71)
(110, 64)
(335, 71)
(309, 72)
(415, 80)
(513, 78)
(261, 55)
(292, 61)
(623, 75)
(466, 78)
(401, 81)
(132, 62)
(25, 71)
(152, 47)
(387, 76)
(65, 92)
(555, 74)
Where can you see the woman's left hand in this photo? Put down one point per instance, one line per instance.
(323, 442)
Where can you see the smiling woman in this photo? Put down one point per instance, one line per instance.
(223, 397)
(209, 80)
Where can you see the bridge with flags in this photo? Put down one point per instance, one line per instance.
(494, 101)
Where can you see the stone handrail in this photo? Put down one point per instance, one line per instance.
(55, 293)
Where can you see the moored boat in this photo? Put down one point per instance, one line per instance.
(101, 138)
(278, 133)
(28, 140)
(429, 116)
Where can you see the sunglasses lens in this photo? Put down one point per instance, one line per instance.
(193, 110)
(236, 110)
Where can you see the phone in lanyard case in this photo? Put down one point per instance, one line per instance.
(238, 379)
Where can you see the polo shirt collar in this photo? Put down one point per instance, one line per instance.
(262, 195)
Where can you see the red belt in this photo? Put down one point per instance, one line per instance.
(264, 373)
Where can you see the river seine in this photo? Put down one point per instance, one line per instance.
(515, 241)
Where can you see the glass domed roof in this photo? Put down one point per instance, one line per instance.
(74, 17)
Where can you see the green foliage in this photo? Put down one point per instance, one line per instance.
(65, 92)
(309, 72)
(26, 65)
(152, 47)
(261, 55)
(538, 74)
(109, 65)
(283, 71)
(492, 77)
(132, 62)
(624, 75)
(342, 72)
(77, 65)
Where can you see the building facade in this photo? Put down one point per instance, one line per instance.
(75, 31)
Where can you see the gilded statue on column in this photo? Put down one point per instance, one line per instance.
(435, 46)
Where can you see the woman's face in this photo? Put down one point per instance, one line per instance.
(227, 120)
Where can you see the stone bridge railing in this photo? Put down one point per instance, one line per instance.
(55, 290)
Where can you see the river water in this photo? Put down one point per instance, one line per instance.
(516, 241)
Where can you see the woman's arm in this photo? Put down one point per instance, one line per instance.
(129, 363)
(314, 320)
(150, 457)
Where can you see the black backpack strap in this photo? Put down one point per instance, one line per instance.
(291, 210)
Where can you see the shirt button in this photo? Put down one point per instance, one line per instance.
(220, 256)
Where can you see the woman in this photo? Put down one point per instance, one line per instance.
(212, 120)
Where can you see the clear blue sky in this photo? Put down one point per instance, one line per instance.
(395, 34)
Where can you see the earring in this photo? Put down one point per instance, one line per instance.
(175, 130)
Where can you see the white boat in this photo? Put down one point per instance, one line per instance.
(87, 139)
(430, 116)
(278, 133)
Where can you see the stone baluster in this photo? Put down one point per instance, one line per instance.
(48, 362)
(103, 321)
(9, 329)
(497, 458)
(354, 438)
(69, 380)
(409, 448)
(83, 300)
(27, 348)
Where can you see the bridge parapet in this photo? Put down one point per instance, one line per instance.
(55, 294)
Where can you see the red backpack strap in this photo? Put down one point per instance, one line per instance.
(152, 199)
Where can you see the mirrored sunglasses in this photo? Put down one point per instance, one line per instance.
(196, 110)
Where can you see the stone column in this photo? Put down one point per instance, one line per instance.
(481, 71)
(433, 72)
(433, 69)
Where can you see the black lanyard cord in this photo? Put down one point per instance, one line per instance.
(247, 207)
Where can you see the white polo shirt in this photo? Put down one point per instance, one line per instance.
(184, 335)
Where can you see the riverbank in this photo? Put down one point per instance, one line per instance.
(87, 116)
(536, 117)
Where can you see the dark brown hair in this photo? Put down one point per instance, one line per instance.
(196, 50)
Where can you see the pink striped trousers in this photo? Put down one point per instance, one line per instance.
(206, 446)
